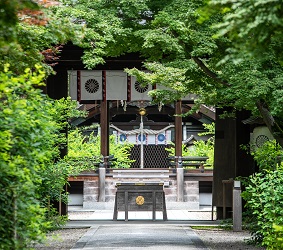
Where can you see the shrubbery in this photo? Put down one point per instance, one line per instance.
(31, 171)
(30, 125)
(84, 151)
(264, 197)
(200, 147)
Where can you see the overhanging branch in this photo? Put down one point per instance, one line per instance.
(270, 122)
(208, 72)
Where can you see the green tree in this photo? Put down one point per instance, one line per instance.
(254, 27)
(216, 65)
(263, 197)
(25, 149)
(255, 31)
(192, 46)
(30, 138)
(30, 122)
(9, 18)
(30, 34)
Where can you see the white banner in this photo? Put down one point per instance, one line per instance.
(116, 85)
(139, 92)
(161, 138)
(91, 85)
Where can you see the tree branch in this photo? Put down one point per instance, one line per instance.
(208, 72)
(265, 113)
(270, 122)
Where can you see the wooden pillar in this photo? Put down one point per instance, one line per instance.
(230, 160)
(178, 129)
(104, 120)
(104, 129)
(178, 151)
(104, 147)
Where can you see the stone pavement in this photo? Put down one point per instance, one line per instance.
(140, 231)
(140, 236)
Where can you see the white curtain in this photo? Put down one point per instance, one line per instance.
(116, 85)
(91, 85)
(137, 91)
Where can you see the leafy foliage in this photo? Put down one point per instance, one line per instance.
(121, 153)
(204, 148)
(227, 52)
(200, 147)
(189, 46)
(195, 46)
(256, 27)
(278, 233)
(30, 34)
(268, 156)
(263, 195)
(9, 18)
(30, 125)
(264, 200)
(84, 152)
(25, 149)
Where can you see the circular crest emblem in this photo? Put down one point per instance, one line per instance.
(123, 137)
(143, 138)
(161, 137)
(91, 86)
(140, 200)
(140, 88)
(261, 139)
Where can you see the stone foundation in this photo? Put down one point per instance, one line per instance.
(91, 191)
(191, 192)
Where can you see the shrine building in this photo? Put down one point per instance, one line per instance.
(114, 101)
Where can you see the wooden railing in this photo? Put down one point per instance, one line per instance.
(197, 162)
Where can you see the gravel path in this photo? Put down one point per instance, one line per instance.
(214, 239)
(63, 239)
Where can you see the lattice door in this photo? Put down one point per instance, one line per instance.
(155, 156)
